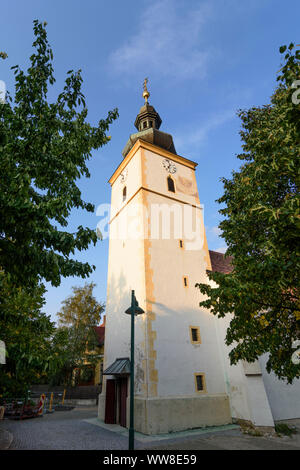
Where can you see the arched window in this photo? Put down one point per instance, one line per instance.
(124, 193)
(171, 185)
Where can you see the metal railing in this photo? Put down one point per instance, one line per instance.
(35, 404)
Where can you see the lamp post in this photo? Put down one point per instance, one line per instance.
(133, 310)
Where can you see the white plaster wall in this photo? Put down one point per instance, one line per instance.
(258, 398)
(156, 177)
(284, 398)
(177, 307)
(132, 183)
(125, 272)
(248, 398)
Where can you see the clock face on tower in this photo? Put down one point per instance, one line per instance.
(124, 175)
(169, 166)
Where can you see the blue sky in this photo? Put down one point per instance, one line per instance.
(204, 60)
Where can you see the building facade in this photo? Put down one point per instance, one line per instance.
(91, 373)
(158, 248)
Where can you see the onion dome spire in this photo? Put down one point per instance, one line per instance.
(148, 122)
(147, 117)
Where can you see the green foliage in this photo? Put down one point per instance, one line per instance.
(261, 228)
(26, 332)
(81, 308)
(44, 149)
(86, 374)
(283, 428)
(75, 343)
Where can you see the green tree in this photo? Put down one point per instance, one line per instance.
(261, 228)
(81, 308)
(44, 149)
(75, 341)
(27, 333)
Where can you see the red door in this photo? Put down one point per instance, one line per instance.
(110, 402)
(123, 399)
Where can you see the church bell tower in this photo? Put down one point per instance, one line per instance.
(158, 248)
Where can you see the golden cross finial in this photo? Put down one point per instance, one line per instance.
(146, 93)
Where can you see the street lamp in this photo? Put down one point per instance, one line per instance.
(133, 310)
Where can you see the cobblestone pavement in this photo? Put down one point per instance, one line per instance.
(233, 440)
(227, 441)
(5, 438)
(63, 430)
(68, 430)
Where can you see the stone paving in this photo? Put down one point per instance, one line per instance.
(5, 439)
(227, 441)
(63, 430)
(74, 430)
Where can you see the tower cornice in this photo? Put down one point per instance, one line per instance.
(152, 148)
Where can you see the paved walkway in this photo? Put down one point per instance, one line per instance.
(79, 430)
(5, 439)
(63, 430)
(229, 441)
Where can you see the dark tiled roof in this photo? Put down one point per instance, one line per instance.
(219, 263)
(153, 136)
(121, 366)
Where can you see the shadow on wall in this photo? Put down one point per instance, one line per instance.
(118, 328)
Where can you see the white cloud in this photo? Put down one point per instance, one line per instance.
(167, 41)
(214, 238)
(222, 249)
(200, 132)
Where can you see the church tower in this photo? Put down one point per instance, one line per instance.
(158, 248)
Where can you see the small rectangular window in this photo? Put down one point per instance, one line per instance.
(195, 335)
(199, 379)
(181, 243)
(185, 281)
(171, 184)
(200, 383)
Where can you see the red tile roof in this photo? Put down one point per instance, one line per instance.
(219, 263)
(100, 333)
